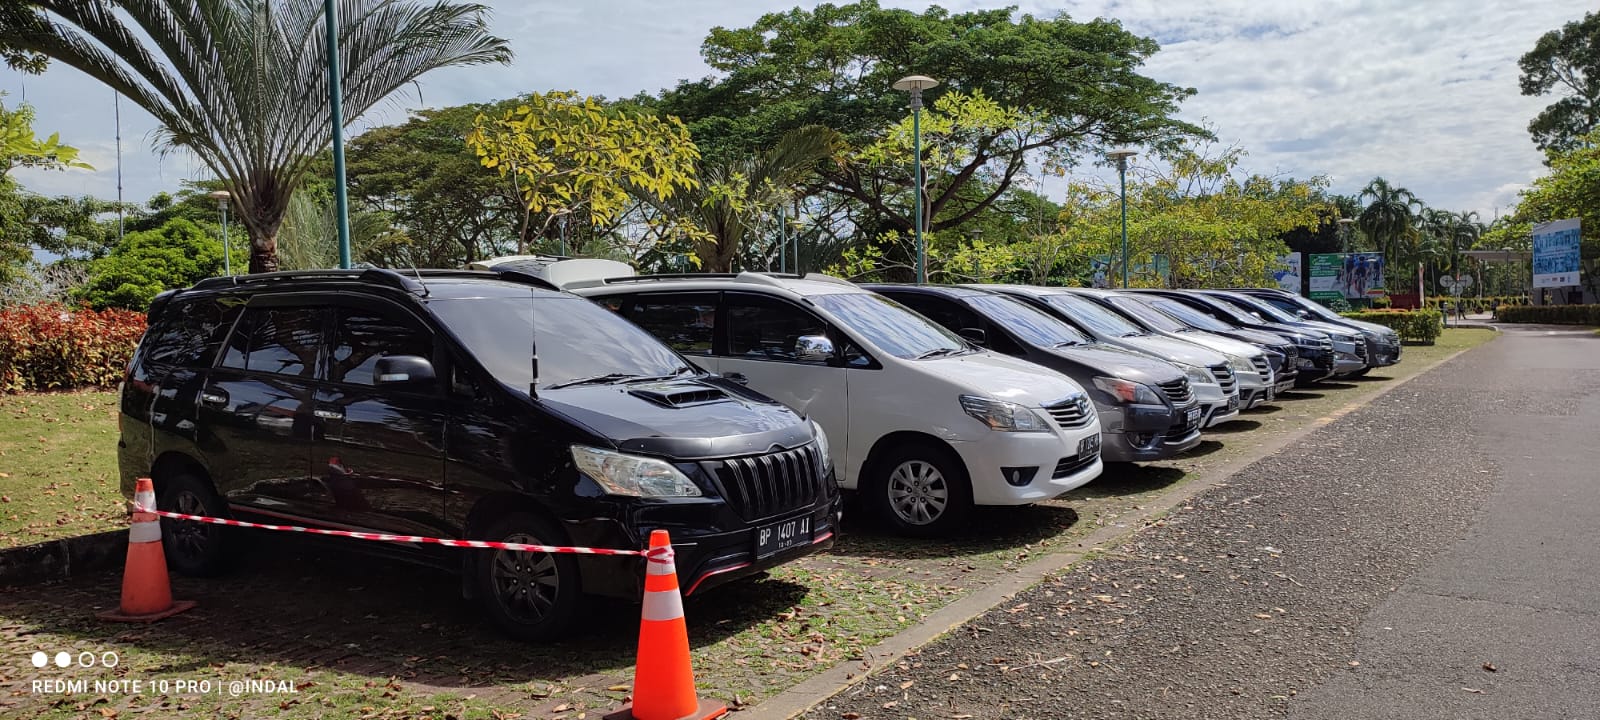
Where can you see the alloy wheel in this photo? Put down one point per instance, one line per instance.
(526, 583)
(190, 538)
(918, 492)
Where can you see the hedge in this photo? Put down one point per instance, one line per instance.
(1552, 314)
(1475, 304)
(50, 346)
(1422, 326)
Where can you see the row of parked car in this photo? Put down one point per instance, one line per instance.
(572, 402)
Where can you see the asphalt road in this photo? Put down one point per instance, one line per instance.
(1431, 555)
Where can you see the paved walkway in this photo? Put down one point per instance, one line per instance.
(1429, 556)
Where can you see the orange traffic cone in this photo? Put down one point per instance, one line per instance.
(663, 681)
(146, 591)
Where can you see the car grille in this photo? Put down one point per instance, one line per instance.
(1074, 412)
(1263, 366)
(761, 486)
(1178, 391)
(1073, 464)
(1224, 377)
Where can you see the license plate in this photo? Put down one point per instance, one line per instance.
(1192, 415)
(1089, 446)
(778, 537)
(1233, 404)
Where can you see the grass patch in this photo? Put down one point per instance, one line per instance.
(58, 466)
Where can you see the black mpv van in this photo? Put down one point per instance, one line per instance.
(412, 404)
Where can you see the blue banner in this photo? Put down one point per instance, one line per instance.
(1556, 254)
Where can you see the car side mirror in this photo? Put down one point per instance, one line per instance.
(1303, 315)
(813, 348)
(398, 370)
(976, 335)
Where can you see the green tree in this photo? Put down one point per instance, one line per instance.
(1077, 84)
(421, 173)
(20, 229)
(177, 254)
(16, 18)
(243, 85)
(736, 200)
(1571, 190)
(1565, 61)
(571, 156)
(1387, 216)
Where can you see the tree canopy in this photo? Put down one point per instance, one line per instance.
(1565, 61)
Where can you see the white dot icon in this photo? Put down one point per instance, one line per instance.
(63, 659)
(40, 659)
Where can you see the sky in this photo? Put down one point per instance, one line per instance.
(1422, 92)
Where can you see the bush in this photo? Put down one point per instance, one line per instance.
(1422, 326)
(177, 254)
(50, 346)
(1552, 314)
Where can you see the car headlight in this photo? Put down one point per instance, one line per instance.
(822, 447)
(1004, 416)
(1128, 391)
(1197, 374)
(632, 475)
(1240, 364)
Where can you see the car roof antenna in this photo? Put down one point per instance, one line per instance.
(533, 341)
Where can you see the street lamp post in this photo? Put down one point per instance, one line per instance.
(1121, 156)
(222, 197)
(1344, 234)
(915, 84)
(341, 200)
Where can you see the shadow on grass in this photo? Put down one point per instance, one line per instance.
(991, 529)
(325, 607)
(1340, 384)
(1266, 409)
(1233, 427)
(1298, 394)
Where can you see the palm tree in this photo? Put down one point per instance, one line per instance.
(243, 84)
(1388, 215)
(736, 198)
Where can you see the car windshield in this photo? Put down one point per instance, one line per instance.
(1031, 325)
(1266, 310)
(1097, 318)
(1188, 315)
(1145, 315)
(1316, 308)
(577, 340)
(889, 326)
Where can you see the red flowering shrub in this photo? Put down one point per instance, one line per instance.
(54, 347)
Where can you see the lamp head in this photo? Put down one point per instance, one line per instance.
(915, 84)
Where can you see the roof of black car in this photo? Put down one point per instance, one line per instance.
(422, 284)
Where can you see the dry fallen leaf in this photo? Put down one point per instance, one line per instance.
(1474, 691)
(1490, 667)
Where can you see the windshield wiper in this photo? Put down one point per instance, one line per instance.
(939, 352)
(1067, 343)
(594, 380)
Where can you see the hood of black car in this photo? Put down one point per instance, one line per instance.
(686, 419)
(1108, 361)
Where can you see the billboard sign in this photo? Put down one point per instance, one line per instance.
(1556, 254)
(1352, 276)
(1287, 273)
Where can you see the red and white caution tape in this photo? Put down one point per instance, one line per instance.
(664, 554)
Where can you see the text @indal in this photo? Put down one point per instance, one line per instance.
(165, 686)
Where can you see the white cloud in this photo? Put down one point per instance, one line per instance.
(1421, 92)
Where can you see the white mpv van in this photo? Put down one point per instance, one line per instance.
(923, 424)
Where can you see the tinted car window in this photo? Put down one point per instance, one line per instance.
(1188, 315)
(280, 340)
(190, 333)
(685, 322)
(1029, 324)
(1141, 312)
(889, 325)
(768, 328)
(576, 338)
(361, 336)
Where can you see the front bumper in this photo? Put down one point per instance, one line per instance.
(1255, 390)
(1141, 433)
(1052, 461)
(1347, 363)
(1314, 365)
(1219, 407)
(1383, 353)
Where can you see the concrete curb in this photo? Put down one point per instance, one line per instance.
(61, 559)
(817, 689)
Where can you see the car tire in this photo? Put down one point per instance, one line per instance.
(531, 596)
(921, 489)
(193, 548)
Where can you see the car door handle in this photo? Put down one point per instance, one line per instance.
(327, 414)
(737, 377)
(213, 397)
